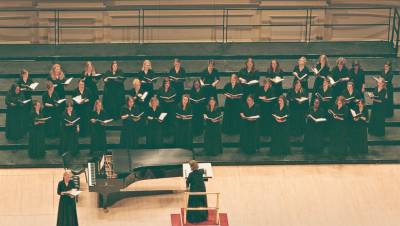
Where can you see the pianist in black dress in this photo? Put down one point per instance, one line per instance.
(70, 131)
(138, 93)
(339, 128)
(351, 95)
(167, 97)
(82, 97)
(249, 134)
(36, 133)
(212, 135)
(302, 72)
(57, 77)
(387, 74)
(198, 103)
(280, 143)
(249, 77)
(114, 91)
(154, 138)
(15, 111)
(195, 183)
(340, 74)
(357, 76)
(209, 80)
(268, 100)
(131, 115)
(90, 78)
(67, 207)
(321, 70)
(177, 76)
(274, 71)
(98, 122)
(147, 76)
(314, 134)
(233, 102)
(52, 109)
(378, 113)
(183, 131)
(298, 105)
(358, 129)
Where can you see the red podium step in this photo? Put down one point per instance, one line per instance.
(177, 219)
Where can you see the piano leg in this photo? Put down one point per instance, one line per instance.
(103, 200)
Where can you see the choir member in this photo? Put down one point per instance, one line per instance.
(131, 115)
(51, 109)
(249, 77)
(301, 72)
(36, 133)
(378, 113)
(233, 102)
(388, 76)
(24, 83)
(325, 95)
(82, 97)
(280, 143)
(212, 136)
(147, 76)
(154, 138)
(249, 136)
(338, 127)
(98, 122)
(340, 75)
(298, 104)
(357, 76)
(114, 91)
(275, 73)
(314, 134)
(351, 95)
(321, 71)
(198, 103)
(358, 129)
(268, 100)
(195, 183)
(138, 93)
(70, 130)
(14, 113)
(66, 207)
(184, 115)
(167, 97)
(177, 75)
(90, 78)
(209, 80)
(57, 77)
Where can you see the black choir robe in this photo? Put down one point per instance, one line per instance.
(195, 183)
(358, 132)
(91, 84)
(15, 112)
(231, 121)
(337, 74)
(58, 86)
(27, 108)
(154, 138)
(208, 79)
(130, 133)
(339, 131)
(351, 98)
(147, 80)
(249, 134)
(297, 111)
(326, 98)
(69, 141)
(301, 73)
(183, 129)
(378, 113)
(37, 143)
(266, 108)
(66, 207)
(54, 111)
(177, 79)
(212, 135)
(280, 142)
(314, 133)
(389, 90)
(319, 79)
(249, 76)
(114, 93)
(83, 110)
(168, 104)
(98, 138)
(137, 95)
(358, 78)
(198, 103)
(278, 87)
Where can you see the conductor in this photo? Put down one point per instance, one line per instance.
(195, 183)
(67, 207)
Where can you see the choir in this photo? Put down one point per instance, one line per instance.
(332, 114)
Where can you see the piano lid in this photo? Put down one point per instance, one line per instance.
(126, 161)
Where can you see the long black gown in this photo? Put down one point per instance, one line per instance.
(278, 87)
(168, 104)
(326, 98)
(27, 108)
(304, 81)
(351, 98)
(339, 131)
(266, 108)
(98, 139)
(297, 113)
(147, 80)
(212, 135)
(83, 110)
(66, 207)
(91, 84)
(129, 138)
(198, 103)
(319, 79)
(231, 121)
(337, 74)
(378, 113)
(249, 134)
(59, 86)
(15, 111)
(280, 142)
(358, 132)
(36, 136)
(195, 183)
(114, 93)
(69, 135)
(314, 133)
(208, 79)
(53, 124)
(358, 78)
(183, 129)
(249, 76)
(154, 138)
(177, 79)
(389, 89)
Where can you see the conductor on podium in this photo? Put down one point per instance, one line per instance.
(195, 183)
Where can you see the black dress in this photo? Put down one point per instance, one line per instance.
(338, 130)
(183, 129)
(337, 74)
(208, 79)
(147, 80)
(130, 134)
(304, 81)
(54, 111)
(195, 183)
(278, 87)
(249, 76)
(267, 104)
(69, 141)
(15, 112)
(351, 98)
(249, 137)
(37, 143)
(58, 86)
(66, 207)
(231, 121)
(98, 139)
(168, 104)
(314, 133)
(326, 98)
(280, 142)
(83, 110)
(91, 84)
(138, 96)
(154, 138)
(177, 79)
(319, 79)
(297, 111)
(358, 78)
(389, 89)
(212, 136)
(378, 113)
(198, 103)
(27, 108)
(358, 132)
(114, 93)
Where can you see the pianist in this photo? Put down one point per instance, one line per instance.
(195, 183)
(67, 207)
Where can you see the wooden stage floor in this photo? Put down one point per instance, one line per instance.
(312, 195)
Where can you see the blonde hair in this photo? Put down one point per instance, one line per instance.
(59, 76)
(304, 59)
(154, 98)
(136, 82)
(323, 58)
(146, 62)
(341, 60)
(87, 64)
(193, 165)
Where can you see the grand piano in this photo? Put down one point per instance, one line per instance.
(115, 172)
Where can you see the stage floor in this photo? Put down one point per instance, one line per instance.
(312, 195)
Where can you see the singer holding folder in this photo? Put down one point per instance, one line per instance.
(67, 206)
(198, 103)
(114, 91)
(249, 137)
(183, 133)
(212, 136)
(131, 115)
(209, 80)
(301, 73)
(314, 136)
(98, 121)
(280, 143)
(233, 92)
(70, 130)
(36, 133)
(14, 124)
(154, 138)
(51, 109)
(267, 99)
